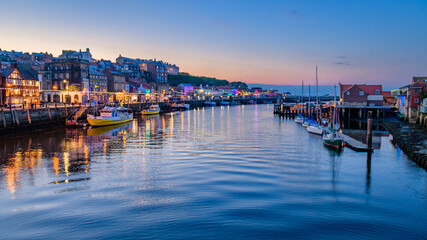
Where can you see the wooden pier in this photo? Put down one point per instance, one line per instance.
(355, 144)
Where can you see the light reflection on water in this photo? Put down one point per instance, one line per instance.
(224, 172)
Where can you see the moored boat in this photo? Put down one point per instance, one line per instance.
(224, 103)
(315, 128)
(333, 139)
(153, 109)
(299, 119)
(110, 116)
(210, 103)
(184, 106)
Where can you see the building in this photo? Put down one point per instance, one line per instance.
(19, 85)
(116, 81)
(361, 95)
(172, 69)
(69, 74)
(71, 54)
(98, 82)
(158, 72)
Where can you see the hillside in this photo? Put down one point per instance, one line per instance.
(175, 80)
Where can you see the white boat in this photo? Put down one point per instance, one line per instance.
(306, 122)
(110, 116)
(315, 128)
(299, 119)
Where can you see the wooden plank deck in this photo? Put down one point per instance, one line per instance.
(355, 144)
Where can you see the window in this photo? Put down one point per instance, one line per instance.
(416, 100)
(377, 92)
(361, 93)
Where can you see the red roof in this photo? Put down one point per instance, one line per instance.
(386, 94)
(369, 89)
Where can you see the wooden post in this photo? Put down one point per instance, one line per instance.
(3, 119)
(48, 113)
(369, 130)
(28, 115)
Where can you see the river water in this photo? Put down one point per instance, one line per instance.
(211, 173)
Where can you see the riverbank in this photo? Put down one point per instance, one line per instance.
(409, 138)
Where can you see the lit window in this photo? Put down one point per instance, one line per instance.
(361, 93)
(348, 93)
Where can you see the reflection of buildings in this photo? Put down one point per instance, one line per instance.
(66, 153)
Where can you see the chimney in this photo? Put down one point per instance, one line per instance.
(13, 65)
(87, 50)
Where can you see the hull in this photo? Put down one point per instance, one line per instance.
(335, 143)
(150, 112)
(106, 121)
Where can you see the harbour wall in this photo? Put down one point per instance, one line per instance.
(411, 139)
(12, 120)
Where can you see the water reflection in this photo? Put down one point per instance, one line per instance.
(69, 151)
(234, 169)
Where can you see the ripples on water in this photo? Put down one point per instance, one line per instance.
(224, 172)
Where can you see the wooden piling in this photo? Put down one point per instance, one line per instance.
(369, 130)
(28, 116)
(3, 119)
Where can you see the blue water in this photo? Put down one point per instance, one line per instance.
(214, 173)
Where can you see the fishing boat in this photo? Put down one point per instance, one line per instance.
(332, 136)
(152, 110)
(110, 116)
(234, 103)
(252, 102)
(224, 103)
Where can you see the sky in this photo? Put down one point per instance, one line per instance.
(268, 42)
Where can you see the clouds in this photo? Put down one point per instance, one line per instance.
(342, 61)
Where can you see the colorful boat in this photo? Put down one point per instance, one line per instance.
(110, 116)
(152, 110)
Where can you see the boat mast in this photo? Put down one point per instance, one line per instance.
(309, 99)
(317, 97)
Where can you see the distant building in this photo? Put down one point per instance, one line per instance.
(19, 85)
(186, 87)
(158, 72)
(71, 54)
(361, 95)
(172, 69)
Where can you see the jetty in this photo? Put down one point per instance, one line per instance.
(355, 144)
